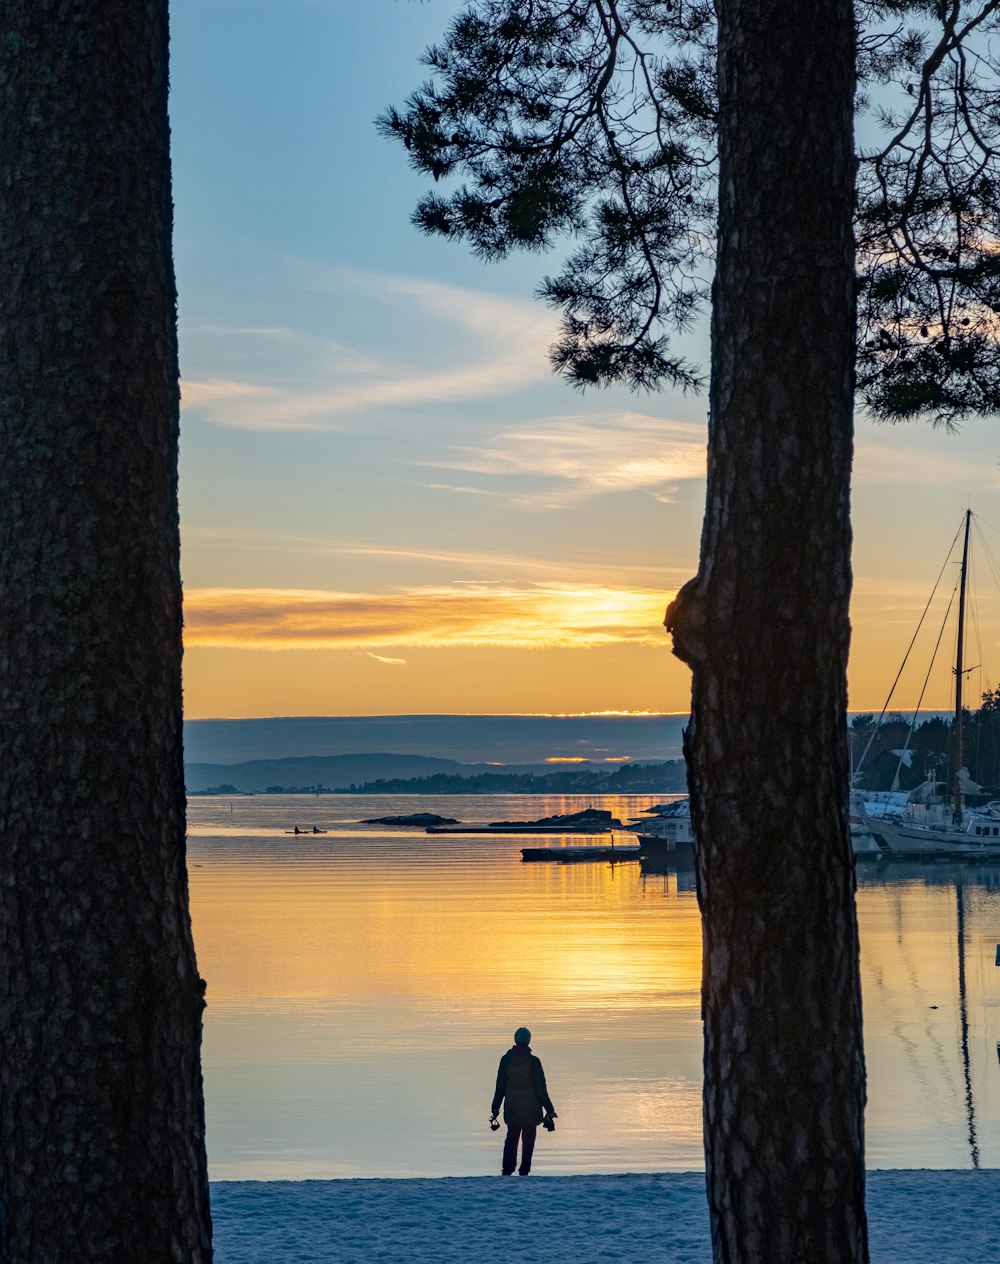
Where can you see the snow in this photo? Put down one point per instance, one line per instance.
(915, 1217)
(884, 802)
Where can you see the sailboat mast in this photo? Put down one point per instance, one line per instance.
(959, 658)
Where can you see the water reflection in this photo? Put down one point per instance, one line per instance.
(928, 937)
(963, 1004)
(363, 983)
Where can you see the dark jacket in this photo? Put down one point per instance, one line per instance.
(521, 1088)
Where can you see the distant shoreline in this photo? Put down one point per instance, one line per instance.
(669, 777)
(443, 794)
(466, 739)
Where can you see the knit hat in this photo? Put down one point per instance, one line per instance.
(522, 1036)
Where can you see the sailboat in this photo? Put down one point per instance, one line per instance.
(931, 826)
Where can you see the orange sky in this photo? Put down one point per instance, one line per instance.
(388, 502)
(544, 648)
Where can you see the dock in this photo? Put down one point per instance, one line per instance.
(567, 854)
(940, 855)
(527, 828)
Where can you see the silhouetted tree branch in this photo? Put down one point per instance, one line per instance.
(596, 122)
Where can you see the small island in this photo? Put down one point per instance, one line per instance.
(422, 819)
(589, 821)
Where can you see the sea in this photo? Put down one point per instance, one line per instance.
(363, 983)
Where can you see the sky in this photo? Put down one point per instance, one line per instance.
(388, 502)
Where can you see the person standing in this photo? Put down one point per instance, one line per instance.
(521, 1088)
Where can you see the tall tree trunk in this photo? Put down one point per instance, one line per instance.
(765, 628)
(101, 1119)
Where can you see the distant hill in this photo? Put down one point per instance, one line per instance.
(510, 739)
(415, 774)
(581, 779)
(333, 772)
(297, 752)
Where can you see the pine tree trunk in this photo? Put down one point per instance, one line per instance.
(101, 1118)
(765, 628)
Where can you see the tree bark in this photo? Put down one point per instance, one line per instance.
(101, 1120)
(764, 626)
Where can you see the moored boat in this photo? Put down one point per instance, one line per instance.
(931, 825)
(666, 829)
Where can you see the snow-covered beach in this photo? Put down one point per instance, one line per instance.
(915, 1217)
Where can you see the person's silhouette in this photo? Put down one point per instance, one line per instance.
(521, 1088)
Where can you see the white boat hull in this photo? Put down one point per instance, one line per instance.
(976, 839)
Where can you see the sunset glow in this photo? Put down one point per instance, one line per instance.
(388, 501)
(538, 617)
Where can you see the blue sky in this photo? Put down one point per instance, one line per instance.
(388, 502)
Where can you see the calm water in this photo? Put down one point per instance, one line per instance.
(363, 984)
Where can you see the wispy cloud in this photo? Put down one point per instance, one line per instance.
(474, 614)
(893, 460)
(476, 563)
(460, 489)
(212, 390)
(236, 331)
(496, 345)
(391, 662)
(591, 456)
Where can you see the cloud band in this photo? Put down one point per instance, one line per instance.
(539, 616)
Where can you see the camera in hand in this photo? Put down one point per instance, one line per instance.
(549, 1124)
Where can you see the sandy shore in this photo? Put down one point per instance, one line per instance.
(915, 1217)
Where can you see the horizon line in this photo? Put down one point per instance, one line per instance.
(512, 715)
(413, 715)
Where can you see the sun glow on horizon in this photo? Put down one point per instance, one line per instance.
(535, 616)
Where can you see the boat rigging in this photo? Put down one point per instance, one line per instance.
(929, 825)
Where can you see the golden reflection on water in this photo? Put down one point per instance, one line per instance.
(566, 933)
(363, 983)
(353, 914)
(392, 966)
